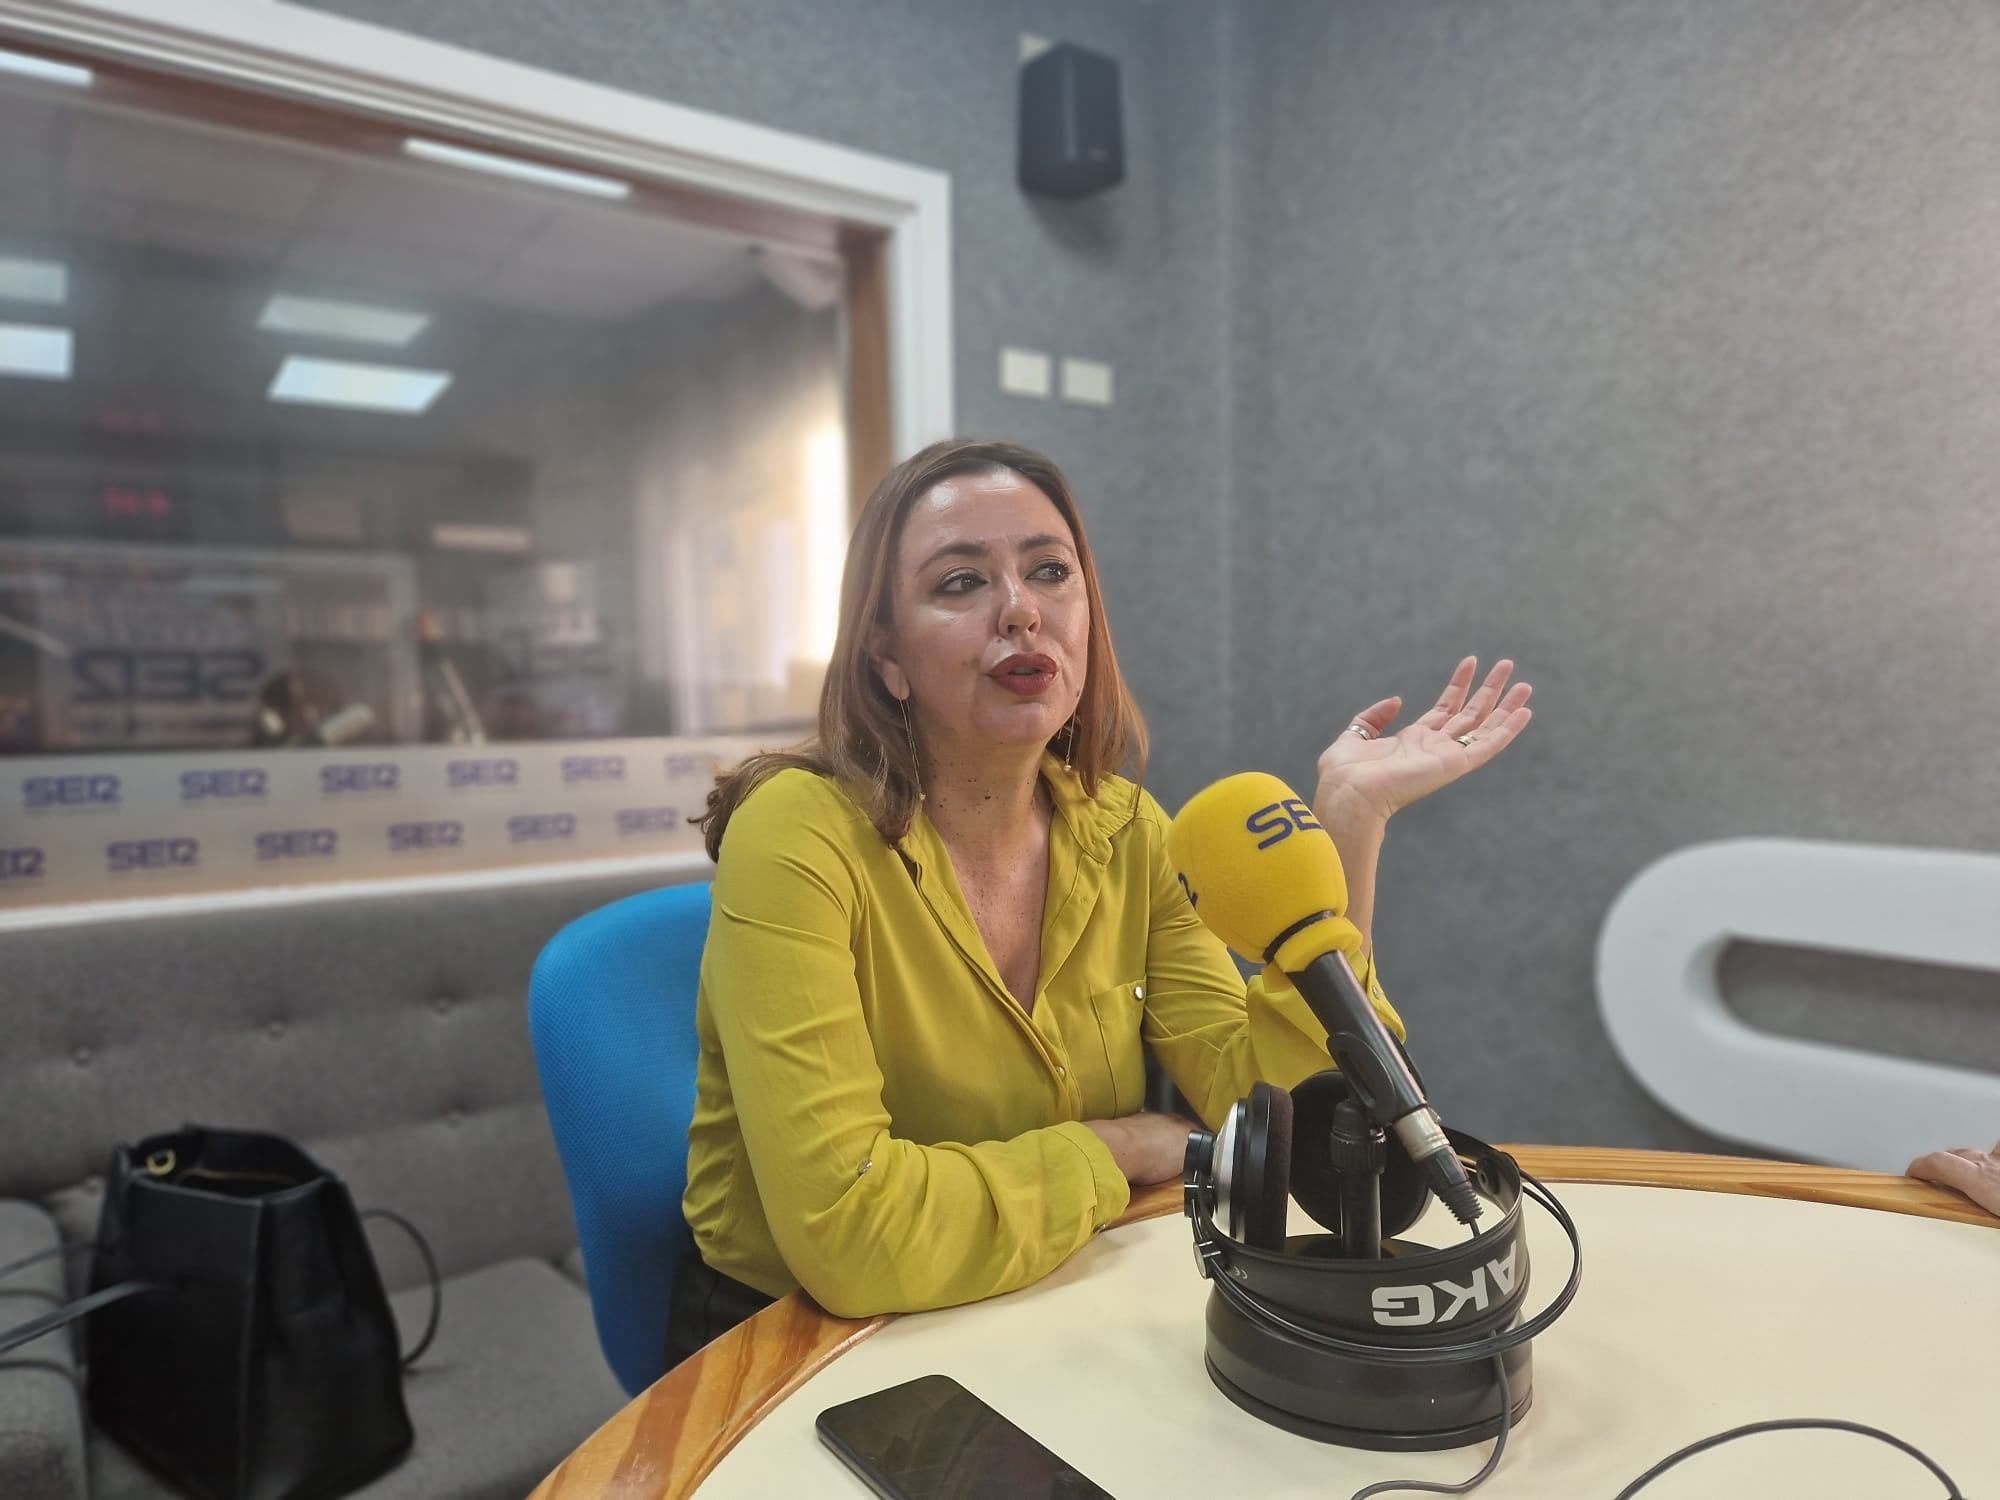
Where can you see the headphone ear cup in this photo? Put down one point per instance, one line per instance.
(1265, 1169)
(1315, 1179)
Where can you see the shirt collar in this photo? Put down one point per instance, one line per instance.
(1089, 821)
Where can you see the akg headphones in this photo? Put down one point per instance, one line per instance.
(1414, 1349)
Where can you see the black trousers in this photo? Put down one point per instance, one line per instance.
(706, 1305)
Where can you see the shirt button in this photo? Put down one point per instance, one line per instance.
(1062, 1072)
(1138, 992)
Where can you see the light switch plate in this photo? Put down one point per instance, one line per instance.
(1024, 372)
(1086, 381)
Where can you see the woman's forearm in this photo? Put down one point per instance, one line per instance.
(1357, 831)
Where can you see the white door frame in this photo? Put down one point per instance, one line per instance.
(351, 65)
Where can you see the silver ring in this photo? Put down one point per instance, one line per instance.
(1465, 740)
(1357, 727)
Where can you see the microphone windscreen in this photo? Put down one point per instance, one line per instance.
(1256, 863)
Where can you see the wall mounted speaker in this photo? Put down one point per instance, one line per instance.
(1072, 141)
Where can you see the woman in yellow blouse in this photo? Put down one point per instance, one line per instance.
(945, 931)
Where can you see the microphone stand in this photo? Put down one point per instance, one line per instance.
(1360, 1152)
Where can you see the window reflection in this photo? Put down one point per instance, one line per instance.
(301, 446)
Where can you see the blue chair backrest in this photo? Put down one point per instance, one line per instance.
(611, 1010)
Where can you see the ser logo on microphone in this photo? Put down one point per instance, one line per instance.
(1277, 822)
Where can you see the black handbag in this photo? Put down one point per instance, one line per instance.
(240, 1343)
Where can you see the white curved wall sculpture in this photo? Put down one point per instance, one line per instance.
(1658, 993)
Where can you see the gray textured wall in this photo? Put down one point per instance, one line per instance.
(1135, 277)
(1651, 343)
(1656, 344)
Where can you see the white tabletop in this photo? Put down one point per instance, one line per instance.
(1699, 1311)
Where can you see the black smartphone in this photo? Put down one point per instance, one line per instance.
(932, 1439)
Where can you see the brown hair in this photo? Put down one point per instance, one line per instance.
(861, 741)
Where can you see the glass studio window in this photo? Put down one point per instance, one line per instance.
(347, 476)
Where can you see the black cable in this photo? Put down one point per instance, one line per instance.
(1430, 1487)
(1952, 1490)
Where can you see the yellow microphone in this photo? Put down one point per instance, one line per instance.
(1261, 872)
(1264, 876)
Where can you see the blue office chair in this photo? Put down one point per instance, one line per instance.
(611, 1010)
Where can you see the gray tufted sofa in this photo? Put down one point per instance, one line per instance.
(387, 1032)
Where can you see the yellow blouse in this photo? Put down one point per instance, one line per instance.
(876, 1118)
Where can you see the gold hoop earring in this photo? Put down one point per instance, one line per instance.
(916, 770)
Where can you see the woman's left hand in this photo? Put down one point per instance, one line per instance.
(1385, 773)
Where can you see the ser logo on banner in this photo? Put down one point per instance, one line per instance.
(461, 775)
(41, 793)
(297, 843)
(216, 820)
(642, 820)
(127, 855)
(405, 838)
(370, 779)
(120, 675)
(248, 783)
(540, 827)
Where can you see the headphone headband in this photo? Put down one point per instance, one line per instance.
(1428, 1306)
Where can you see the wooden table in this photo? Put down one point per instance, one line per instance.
(669, 1438)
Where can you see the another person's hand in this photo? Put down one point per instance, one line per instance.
(1386, 772)
(1974, 1173)
(1148, 1147)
